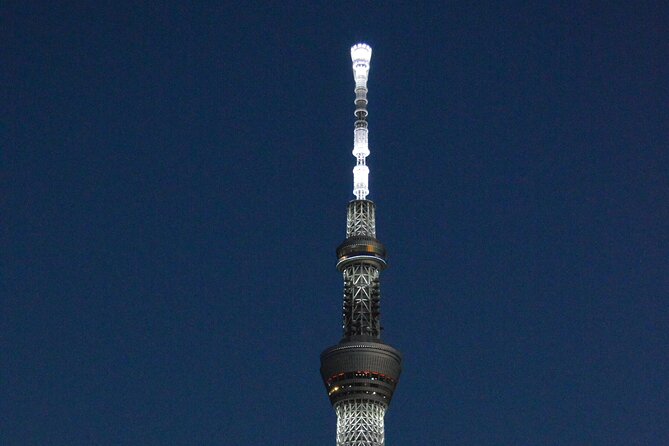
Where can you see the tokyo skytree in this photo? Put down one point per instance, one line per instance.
(361, 372)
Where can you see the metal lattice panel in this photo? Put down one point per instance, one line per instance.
(362, 298)
(361, 218)
(360, 423)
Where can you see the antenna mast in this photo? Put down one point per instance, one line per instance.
(361, 54)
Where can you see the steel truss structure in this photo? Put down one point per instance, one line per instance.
(361, 218)
(360, 423)
(362, 300)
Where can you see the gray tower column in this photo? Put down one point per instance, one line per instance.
(361, 372)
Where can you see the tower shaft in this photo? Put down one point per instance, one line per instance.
(360, 423)
(361, 372)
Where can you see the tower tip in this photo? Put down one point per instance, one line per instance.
(361, 52)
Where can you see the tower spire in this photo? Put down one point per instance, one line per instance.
(361, 372)
(361, 55)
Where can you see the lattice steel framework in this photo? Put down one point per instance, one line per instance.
(362, 294)
(361, 219)
(361, 372)
(360, 423)
(362, 300)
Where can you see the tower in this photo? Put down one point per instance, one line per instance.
(361, 372)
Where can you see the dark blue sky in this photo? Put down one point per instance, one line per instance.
(174, 184)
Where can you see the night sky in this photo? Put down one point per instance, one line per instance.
(174, 184)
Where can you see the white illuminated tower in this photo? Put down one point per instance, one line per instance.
(361, 372)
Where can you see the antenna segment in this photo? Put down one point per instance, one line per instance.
(361, 54)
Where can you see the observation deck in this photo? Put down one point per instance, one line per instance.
(361, 369)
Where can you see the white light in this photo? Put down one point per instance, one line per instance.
(361, 55)
(362, 52)
(361, 181)
(360, 145)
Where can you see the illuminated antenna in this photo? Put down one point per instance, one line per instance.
(361, 54)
